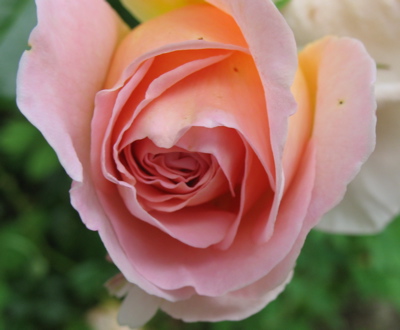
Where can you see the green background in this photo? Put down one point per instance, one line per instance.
(52, 269)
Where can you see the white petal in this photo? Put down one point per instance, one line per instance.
(137, 308)
(375, 23)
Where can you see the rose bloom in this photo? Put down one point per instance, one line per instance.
(202, 147)
(373, 198)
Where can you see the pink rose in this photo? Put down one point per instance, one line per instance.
(201, 147)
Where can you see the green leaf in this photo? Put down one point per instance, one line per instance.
(17, 18)
(19, 253)
(123, 13)
(42, 162)
(281, 3)
(16, 138)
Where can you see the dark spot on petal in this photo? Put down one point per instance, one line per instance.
(382, 66)
(340, 102)
(312, 13)
(200, 38)
(235, 69)
(28, 47)
(192, 182)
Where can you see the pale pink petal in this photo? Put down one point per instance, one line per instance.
(373, 198)
(84, 199)
(197, 226)
(66, 66)
(232, 306)
(341, 73)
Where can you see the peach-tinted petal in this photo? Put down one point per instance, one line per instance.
(237, 101)
(146, 9)
(373, 198)
(340, 74)
(276, 65)
(300, 126)
(189, 103)
(203, 25)
(67, 79)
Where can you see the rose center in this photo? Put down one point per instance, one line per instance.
(175, 167)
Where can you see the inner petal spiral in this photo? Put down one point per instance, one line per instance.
(176, 167)
(168, 179)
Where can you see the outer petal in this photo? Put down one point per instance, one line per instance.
(146, 9)
(138, 306)
(61, 73)
(340, 75)
(373, 198)
(233, 306)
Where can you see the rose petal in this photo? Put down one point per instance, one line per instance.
(340, 74)
(276, 72)
(300, 126)
(236, 86)
(66, 79)
(84, 199)
(191, 27)
(373, 197)
(130, 195)
(227, 149)
(137, 308)
(233, 306)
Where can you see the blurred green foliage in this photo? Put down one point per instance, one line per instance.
(52, 268)
(281, 3)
